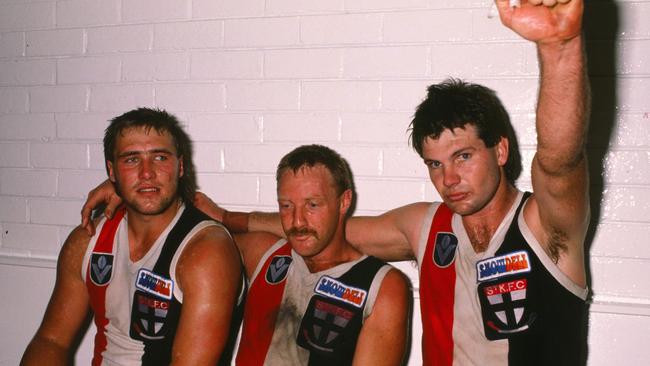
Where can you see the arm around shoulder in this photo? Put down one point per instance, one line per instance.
(67, 309)
(391, 236)
(385, 333)
(210, 275)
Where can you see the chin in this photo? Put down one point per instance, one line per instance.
(462, 208)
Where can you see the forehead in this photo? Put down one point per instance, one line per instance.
(144, 138)
(316, 180)
(452, 139)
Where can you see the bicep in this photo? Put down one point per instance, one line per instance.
(385, 332)
(209, 274)
(68, 306)
(562, 200)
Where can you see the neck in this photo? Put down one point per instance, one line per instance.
(481, 226)
(144, 230)
(338, 251)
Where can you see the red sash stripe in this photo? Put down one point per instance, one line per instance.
(260, 314)
(437, 291)
(97, 293)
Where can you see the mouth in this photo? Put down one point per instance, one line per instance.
(455, 197)
(146, 190)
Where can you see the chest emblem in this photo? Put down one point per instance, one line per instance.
(148, 317)
(101, 268)
(329, 287)
(505, 265)
(324, 326)
(278, 269)
(444, 251)
(505, 308)
(154, 284)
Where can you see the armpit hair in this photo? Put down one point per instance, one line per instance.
(557, 244)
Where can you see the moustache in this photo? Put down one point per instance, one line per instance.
(302, 231)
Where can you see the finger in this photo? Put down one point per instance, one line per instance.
(549, 2)
(113, 203)
(90, 228)
(535, 2)
(85, 215)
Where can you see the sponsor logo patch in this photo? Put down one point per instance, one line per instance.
(444, 251)
(152, 283)
(101, 268)
(278, 269)
(505, 265)
(329, 287)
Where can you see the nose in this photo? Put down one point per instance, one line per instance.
(146, 169)
(298, 217)
(450, 176)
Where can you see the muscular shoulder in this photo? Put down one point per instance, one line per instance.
(394, 285)
(210, 243)
(73, 251)
(210, 254)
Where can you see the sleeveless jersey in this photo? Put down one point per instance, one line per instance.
(509, 305)
(295, 317)
(137, 305)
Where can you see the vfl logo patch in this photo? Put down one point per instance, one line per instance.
(152, 283)
(101, 268)
(148, 317)
(444, 251)
(505, 265)
(329, 287)
(278, 269)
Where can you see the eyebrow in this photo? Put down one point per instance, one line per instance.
(138, 152)
(462, 150)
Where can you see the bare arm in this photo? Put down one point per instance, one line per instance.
(558, 214)
(67, 309)
(240, 222)
(392, 236)
(209, 273)
(384, 335)
(252, 247)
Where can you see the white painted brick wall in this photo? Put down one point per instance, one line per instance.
(252, 79)
(78, 13)
(12, 44)
(54, 42)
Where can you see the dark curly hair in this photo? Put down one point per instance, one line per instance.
(454, 104)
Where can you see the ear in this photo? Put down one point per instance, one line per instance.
(346, 201)
(111, 171)
(180, 166)
(502, 149)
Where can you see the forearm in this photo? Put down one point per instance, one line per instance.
(563, 105)
(42, 351)
(266, 221)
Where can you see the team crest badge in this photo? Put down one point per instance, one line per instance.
(444, 251)
(322, 326)
(148, 316)
(101, 268)
(504, 307)
(278, 269)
